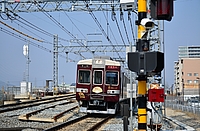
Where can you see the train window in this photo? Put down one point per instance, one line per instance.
(98, 77)
(84, 76)
(111, 77)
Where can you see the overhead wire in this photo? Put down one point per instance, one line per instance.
(44, 41)
(30, 42)
(115, 19)
(124, 25)
(132, 29)
(109, 28)
(62, 27)
(24, 39)
(21, 32)
(74, 24)
(3, 17)
(30, 25)
(75, 37)
(38, 28)
(100, 27)
(17, 17)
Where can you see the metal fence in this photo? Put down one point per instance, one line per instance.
(186, 105)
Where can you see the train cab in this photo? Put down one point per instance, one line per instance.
(98, 85)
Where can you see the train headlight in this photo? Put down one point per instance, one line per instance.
(113, 92)
(97, 89)
(84, 90)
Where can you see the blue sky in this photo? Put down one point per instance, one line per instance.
(183, 30)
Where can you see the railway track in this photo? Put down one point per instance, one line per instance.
(31, 103)
(86, 122)
(58, 110)
(49, 116)
(51, 113)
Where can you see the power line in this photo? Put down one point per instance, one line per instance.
(132, 30)
(39, 29)
(44, 41)
(62, 27)
(30, 25)
(115, 19)
(122, 18)
(20, 32)
(32, 43)
(100, 27)
(74, 24)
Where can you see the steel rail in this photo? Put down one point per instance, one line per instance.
(31, 103)
(57, 127)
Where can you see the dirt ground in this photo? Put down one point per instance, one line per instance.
(189, 119)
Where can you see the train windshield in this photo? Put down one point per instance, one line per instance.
(97, 77)
(111, 77)
(84, 76)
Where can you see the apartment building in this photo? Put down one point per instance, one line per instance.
(187, 71)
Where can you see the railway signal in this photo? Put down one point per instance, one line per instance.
(144, 62)
(161, 9)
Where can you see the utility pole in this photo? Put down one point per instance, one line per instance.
(28, 63)
(55, 64)
(26, 54)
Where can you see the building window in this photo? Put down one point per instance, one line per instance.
(189, 81)
(182, 61)
(196, 82)
(196, 74)
(189, 74)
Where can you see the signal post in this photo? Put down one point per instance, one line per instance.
(142, 89)
(145, 62)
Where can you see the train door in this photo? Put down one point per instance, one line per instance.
(97, 89)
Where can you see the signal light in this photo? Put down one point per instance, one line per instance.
(162, 9)
(165, 9)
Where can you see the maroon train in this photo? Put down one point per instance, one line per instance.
(98, 85)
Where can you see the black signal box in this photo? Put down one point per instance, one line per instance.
(146, 63)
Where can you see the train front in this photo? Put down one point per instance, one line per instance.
(98, 85)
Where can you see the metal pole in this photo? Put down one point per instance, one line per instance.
(199, 91)
(131, 94)
(164, 68)
(142, 79)
(55, 63)
(27, 73)
(183, 90)
(198, 87)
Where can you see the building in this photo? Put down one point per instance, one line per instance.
(187, 71)
(189, 52)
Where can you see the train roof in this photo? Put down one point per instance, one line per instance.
(107, 62)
